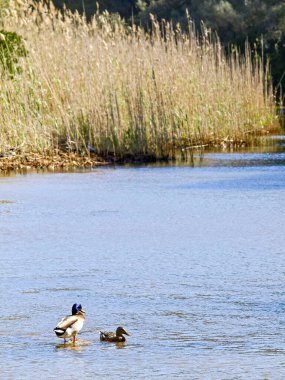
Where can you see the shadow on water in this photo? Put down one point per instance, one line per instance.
(270, 151)
(117, 345)
(79, 346)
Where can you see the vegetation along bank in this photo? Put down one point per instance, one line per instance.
(103, 90)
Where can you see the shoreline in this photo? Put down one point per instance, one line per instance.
(58, 160)
(62, 161)
(55, 161)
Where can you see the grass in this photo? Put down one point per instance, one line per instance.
(118, 91)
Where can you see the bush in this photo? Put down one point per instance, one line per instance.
(11, 49)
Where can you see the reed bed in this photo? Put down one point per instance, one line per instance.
(116, 90)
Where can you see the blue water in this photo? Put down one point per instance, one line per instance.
(189, 259)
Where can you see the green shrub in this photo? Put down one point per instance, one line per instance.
(11, 49)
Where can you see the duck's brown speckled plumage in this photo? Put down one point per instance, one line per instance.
(117, 336)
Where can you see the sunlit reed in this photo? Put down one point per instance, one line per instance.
(114, 89)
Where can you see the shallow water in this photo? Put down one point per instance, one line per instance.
(189, 260)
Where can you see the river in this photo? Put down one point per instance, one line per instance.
(189, 259)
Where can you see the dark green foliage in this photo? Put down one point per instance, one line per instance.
(124, 7)
(11, 49)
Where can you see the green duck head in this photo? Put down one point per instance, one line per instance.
(77, 309)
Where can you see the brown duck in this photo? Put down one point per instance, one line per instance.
(118, 336)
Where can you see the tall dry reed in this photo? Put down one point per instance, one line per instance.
(118, 90)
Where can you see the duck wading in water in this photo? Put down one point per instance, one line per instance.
(118, 336)
(70, 325)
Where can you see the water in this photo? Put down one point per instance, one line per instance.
(189, 260)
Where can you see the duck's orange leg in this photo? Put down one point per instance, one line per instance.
(74, 340)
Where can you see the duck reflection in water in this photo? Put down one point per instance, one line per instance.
(78, 347)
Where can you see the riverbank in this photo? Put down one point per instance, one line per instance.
(57, 160)
(122, 92)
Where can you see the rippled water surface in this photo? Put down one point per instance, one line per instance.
(189, 260)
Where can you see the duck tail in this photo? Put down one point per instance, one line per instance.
(59, 331)
(102, 335)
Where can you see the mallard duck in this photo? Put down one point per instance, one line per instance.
(70, 325)
(118, 336)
